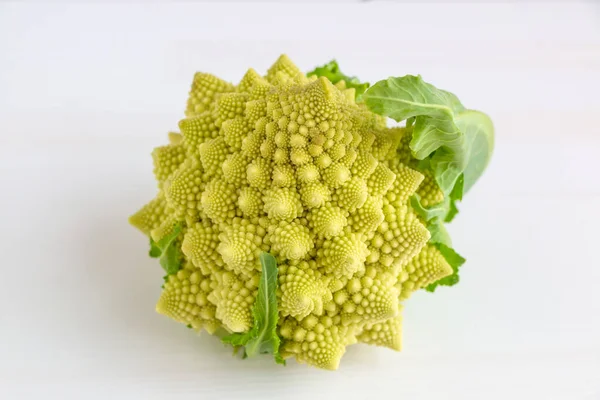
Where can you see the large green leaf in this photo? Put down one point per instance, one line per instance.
(262, 337)
(456, 141)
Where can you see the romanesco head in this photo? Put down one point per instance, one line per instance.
(295, 167)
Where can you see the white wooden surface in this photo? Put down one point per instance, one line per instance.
(86, 92)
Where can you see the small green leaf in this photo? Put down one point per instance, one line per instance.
(166, 241)
(169, 255)
(455, 195)
(441, 240)
(439, 234)
(171, 260)
(155, 251)
(331, 71)
(457, 141)
(446, 209)
(237, 339)
(452, 211)
(262, 337)
(429, 213)
(455, 260)
(458, 190)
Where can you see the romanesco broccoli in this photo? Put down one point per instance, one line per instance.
(291, 217)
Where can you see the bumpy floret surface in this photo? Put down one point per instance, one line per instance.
(293, 166)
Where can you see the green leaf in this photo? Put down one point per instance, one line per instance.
(439, 234)
(438, 211)
(446, 209)
(441, 240)
(452, 211)
(458, 190)
(237, 339)
(167, 252)
(409, 96)
(171, 260)
(331, 71)
(262, 337)
(457, 141)
(155, 251)
(479, 138)
(455, 260)
(455, 195)
(167, 240)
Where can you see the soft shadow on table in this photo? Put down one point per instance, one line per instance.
(120, 271)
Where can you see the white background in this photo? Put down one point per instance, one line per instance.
(86, 92)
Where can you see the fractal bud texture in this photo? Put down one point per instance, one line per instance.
(291, 220)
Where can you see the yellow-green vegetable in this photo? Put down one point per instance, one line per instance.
(291, 217)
